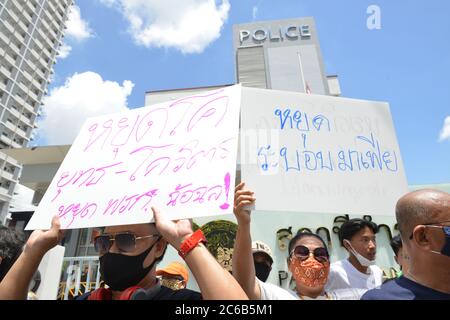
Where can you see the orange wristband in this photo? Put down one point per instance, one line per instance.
(191, 242)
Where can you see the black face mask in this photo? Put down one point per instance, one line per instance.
(262, 271)
(121, 272)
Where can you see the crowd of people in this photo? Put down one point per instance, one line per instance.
(129, 255)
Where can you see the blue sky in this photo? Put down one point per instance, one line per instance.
(405, 63)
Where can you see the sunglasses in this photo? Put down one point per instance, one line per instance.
(303, 253)
(125, 242)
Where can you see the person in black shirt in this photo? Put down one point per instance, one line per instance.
(423, 218)
(404, 288)
(128, 258)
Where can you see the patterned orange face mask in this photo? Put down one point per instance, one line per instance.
(310, 272)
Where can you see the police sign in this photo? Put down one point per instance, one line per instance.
(260, 35)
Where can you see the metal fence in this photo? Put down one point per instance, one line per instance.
(79, 275)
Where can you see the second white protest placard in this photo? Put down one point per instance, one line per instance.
(311, 153)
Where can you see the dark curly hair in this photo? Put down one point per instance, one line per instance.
(11, 244)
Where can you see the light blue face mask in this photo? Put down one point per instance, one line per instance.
(446, 248)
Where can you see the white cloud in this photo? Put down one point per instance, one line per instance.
(83, 95)
(77, 28)
(254, 12)
(187, 25)
(109, 3)
(64, 51)
(445, 132)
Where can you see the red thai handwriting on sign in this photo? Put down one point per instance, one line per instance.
(180, 117)
(173, 155)
(124, 204)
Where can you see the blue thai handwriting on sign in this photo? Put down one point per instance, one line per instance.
(295, 119)
(320, 154)
(370, 155)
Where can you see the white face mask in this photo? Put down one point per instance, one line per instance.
(362, 260)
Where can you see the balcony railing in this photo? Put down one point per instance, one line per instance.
(79, 275)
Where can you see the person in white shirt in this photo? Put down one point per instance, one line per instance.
(351, 278)
(308, 259)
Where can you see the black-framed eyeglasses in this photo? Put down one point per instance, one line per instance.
(434, 225)
(303, 253)
(125, 241)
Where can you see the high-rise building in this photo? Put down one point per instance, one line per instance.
(30, 36)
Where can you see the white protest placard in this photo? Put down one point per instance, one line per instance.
(311, 153)
(178, 156)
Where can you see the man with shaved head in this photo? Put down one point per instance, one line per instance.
(423, 218)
